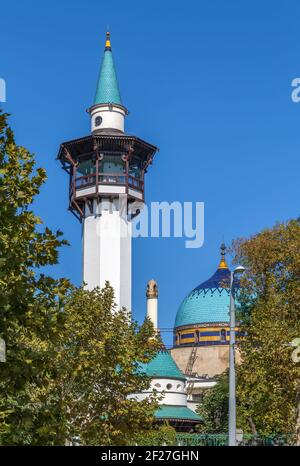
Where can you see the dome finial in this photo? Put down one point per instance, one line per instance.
(107, 41)
(223, 264)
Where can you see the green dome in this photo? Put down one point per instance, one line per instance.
(162, 365)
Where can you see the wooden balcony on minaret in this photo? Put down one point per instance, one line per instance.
(105, 166)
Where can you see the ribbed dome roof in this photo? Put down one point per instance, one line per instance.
(209, 301)
(162, 365)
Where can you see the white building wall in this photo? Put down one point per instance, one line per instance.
(112, 116)
(107, 251)
(174, 392)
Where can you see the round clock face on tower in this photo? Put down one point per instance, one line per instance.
(98, 121)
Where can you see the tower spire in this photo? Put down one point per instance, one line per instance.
(107, 41)
(107, 91)
(223, 264)
(107, 112)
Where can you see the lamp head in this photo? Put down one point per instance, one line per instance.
(239, 269)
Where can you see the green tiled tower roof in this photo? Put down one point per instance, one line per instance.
(176, 412)
(107, 91)
(162, 365)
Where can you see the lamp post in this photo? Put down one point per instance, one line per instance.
(2, 350)
(232, 396)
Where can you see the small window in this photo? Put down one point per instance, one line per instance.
(179, 387)
(223, 335)
(98, 120)
(169, 386)
(157, 385)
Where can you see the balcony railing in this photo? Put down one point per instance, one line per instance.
(85, 180)
(135, 183)
(119, 179)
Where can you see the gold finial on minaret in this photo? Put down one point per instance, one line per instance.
(107, 41)
(223, 264)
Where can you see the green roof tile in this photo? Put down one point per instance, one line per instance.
(162, 365)
(176, 412)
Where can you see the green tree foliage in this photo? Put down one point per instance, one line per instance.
(268, 378)
(71, 360)
(163, 435)
(96, 367)
(29, 302)
(214, 408)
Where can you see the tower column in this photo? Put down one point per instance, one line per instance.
(152, 302)
(107, 249)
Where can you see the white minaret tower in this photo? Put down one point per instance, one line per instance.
(107, 172)
(152, 302)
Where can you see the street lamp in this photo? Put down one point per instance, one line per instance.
(232, 396)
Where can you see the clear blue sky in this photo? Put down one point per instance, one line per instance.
(209, 82)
